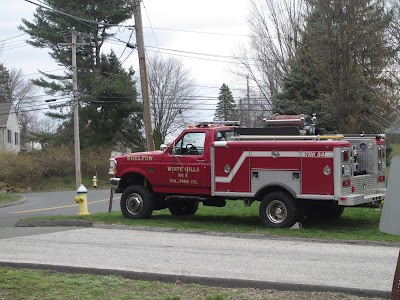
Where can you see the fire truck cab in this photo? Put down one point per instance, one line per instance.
(292, 175)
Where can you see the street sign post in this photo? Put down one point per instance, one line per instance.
(390, 218)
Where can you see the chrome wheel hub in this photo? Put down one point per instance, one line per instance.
(134, 204)
(276, 211)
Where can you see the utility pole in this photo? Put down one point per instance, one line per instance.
(248, 101)
(78, 176)
(143, 75)
(75, 97)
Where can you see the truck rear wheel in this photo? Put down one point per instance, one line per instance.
(183, 207)
(279, 210)
(137, 202)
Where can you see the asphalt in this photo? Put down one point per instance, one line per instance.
(204, 280)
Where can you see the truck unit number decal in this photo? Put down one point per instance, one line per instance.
(314, 154)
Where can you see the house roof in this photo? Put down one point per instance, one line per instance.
(5, 109)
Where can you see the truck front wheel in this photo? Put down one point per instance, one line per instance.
(279, 210)
(137, 202)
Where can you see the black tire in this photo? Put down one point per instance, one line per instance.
(336, 212)
(279, 210)
(324, 210)
(183, 207)
(137, 202)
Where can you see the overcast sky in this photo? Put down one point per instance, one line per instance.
(215, 28)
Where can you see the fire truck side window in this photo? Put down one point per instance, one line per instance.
(224, 135)
(192, 143)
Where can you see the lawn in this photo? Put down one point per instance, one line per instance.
(7, 198)
(355, 223)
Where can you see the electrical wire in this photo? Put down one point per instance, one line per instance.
(49, 71)
(199, 32)
(36, 109)
(152, 30)
(201, 58)
(196, 53)
(113, 71)
(80, 19)
(12, 37)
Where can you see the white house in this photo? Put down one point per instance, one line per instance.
(9, 128)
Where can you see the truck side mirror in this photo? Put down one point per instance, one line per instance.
(163, 147)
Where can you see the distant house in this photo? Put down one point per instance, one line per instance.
(9, 128)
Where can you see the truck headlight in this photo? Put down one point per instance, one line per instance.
(112, 170)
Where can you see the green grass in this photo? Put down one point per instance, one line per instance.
(395, 151)
(7, 198)
(52, 184)
(42, 285)
(355, 223)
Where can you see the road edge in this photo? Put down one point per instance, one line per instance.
(207, 281)
(18, 202)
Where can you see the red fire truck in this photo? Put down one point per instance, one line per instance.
(292, 169)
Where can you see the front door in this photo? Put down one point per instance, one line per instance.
(185, 167)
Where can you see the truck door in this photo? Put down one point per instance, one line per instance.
(186, 168)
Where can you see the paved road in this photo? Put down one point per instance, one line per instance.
(55, 203)
(266, 261)
(180, 254)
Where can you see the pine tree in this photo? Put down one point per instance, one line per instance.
(338, 70)
(108, 110)
(226, 107)
(5, 91)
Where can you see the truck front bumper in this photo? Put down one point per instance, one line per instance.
(115, 184)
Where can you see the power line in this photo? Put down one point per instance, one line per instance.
(152, 30)
(30, 110)
(12, 37)
(191, 52)
(198, 32)
(112, 73)
(128, 26)
(196, 53)
(15, 47)
(80, 19)
(11, 43)
(201, 58)
(49, 71)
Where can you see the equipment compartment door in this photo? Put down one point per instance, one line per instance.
(317, 173)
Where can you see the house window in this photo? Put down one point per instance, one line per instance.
(9, 136)
(16, 138)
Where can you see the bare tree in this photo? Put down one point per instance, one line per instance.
(252, 109)
(172, 95)
(274, 27)
(24, 92)
(24, 97)
(392, 71)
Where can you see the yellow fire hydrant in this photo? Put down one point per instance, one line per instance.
(94, 181)
(81, 199)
